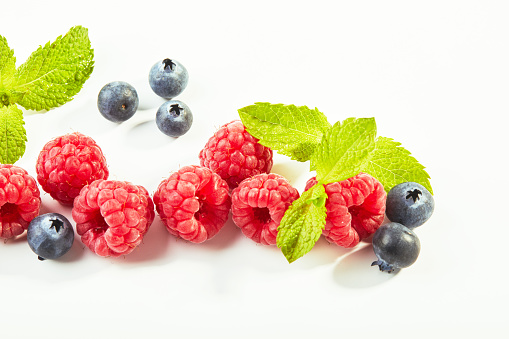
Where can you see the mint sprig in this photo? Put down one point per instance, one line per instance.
(335, 152)
(294, 131)
(12, 134)
(50, 77)
(344, 149)
(302, 223)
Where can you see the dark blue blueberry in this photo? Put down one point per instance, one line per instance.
(168, 78)
(50, 235)
(410, 204)
(117, 101)
(174, 118)
(396, 246)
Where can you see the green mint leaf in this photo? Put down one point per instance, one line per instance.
(53, 74)
(12, 134)
(302, 223)
(288, 129)
(344, 150)
(392, 164)
(7, 70)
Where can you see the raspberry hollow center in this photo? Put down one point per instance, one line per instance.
(8, 210)
(357, 214)
(354, 211)
(262, 214)
(100, 225)
(202, 211)
(360, 216)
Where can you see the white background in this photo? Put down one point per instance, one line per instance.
(434, 74)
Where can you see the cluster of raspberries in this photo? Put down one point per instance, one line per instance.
(234, 174)
(193, 203)
(111, 216)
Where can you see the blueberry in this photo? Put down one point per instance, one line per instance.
(410, 204)
(168, 78)
(396, 246)
(174, 118)
(50, 235)
(118, 101)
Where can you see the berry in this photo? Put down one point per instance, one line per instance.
(174, 118)
(20, 200)
(50, 235)
(112, 216)
(117, 101)
(259, 203)
(168, 78)
(355, 209)
(68, 163)
(193, 203)
(396, 246)
(235, 155)
(409, 204)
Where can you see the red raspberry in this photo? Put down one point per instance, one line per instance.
(20, 200)
(355, 209)
(68, 163)
(235, 154)
(193, 203)
(112, 216)
(259, 203)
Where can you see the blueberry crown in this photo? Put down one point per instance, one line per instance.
(57, 224)
(169, 63)
(175, 108)
(415, 194)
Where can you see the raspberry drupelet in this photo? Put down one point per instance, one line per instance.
(235, 154)
(355, 209)
(259, 203)
(20, 200)
(112, 216)
(67, 163)
(193, 203)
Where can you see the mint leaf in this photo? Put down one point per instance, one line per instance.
(336, 153)
(392, 164)
(53, 74)
(288, 129)
(7, 70)
(302, 223)
(12, 134)
(344, 150)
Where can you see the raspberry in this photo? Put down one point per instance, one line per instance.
(68, 163)
(193, 203)
(112, 216)
(355, 209)
(20, 200)
(235, 155)
(259, 203)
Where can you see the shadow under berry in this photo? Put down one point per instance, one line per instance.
(226, 237)
(155, 245)
(355, 270)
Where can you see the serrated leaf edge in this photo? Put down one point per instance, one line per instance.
(398, 145)
(21, 88)
(278, 146)
(19, 145)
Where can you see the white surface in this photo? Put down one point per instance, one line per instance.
(433, 73)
